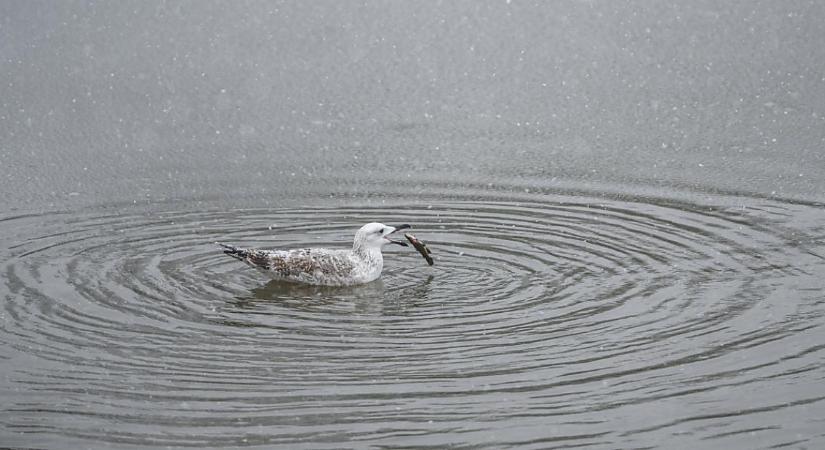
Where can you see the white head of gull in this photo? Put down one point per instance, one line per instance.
(321, 266)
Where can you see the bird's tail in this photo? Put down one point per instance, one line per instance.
(235, 252)
(257, 258)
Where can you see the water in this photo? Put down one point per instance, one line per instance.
(546, 319)
(625, 205)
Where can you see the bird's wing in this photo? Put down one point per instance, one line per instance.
(253, 256)
(294, 262)
(310, 261)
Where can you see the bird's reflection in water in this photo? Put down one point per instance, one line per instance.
(374, 297)
(275, 289)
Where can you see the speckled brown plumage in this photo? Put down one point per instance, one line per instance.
(361, 264)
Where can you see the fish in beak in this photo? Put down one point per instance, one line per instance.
(394, 229)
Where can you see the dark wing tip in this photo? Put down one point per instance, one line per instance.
(232, 251)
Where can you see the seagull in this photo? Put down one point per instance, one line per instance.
(322, 266)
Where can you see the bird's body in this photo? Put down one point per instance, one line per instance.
(320, 266)
(314, 265)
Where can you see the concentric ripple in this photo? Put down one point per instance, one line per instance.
(546, 321)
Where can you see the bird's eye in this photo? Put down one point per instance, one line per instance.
(381, 231)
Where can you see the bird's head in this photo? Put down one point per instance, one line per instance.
(377, 235)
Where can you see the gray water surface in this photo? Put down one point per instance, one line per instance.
(625, 204)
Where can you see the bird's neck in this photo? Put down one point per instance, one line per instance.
(370, 254)
(370, 262)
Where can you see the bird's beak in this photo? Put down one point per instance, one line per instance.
(399, 227)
